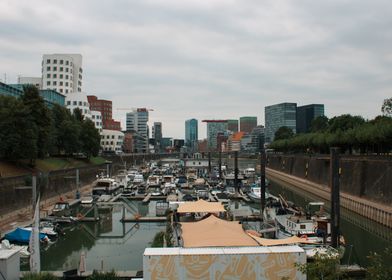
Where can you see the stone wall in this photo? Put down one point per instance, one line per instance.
(368, 177)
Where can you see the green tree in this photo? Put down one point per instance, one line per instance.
(379, 267)
(386, 108)
(90, 139)
(59, 116)
(319, 124)
(41, 117)
(344, 122)
(284, 133)
(18, 131)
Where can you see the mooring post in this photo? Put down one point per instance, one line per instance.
(335, 196)
(236, 171)
(262, 182)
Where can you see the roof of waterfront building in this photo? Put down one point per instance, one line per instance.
(200, 206)
(215, 232)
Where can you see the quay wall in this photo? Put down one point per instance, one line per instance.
(365, 182)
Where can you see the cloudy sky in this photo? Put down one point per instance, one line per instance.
(210, 59)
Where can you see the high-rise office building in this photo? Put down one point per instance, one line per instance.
(157, 135)
(214, 128)
(232, 125)
(278, 115)
(306, 114)
(191, 133)
(247, 124)
(137, 121)
(62, 72)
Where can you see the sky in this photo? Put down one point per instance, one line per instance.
(215, 59)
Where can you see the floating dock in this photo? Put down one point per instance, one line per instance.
(144, 220)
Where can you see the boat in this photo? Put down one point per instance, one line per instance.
(254, 193)
(61, 208)
(87, 200)
(23, 250)
(22, 236)
(46, 228)
(106, 186)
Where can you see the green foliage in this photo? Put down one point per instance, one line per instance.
(380, 265)
(103, 276)
(386, 108)
(319, 124)
(38, 276)
(324, 266)
(29, 130)
(283, 133)
(158, 240)
(347, 132)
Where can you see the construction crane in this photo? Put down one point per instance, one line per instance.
(133, 108)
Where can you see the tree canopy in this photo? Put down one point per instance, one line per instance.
(284, 133)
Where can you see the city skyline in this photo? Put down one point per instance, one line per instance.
(214, 60)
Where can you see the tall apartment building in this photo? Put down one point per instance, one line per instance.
(232, 125)
(157, 135)
(215, 128)
(247, 124)
(306, 114)
(62, 72)
(278, 115)
(137, 121)
(191, 133)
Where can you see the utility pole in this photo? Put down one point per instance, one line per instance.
(34, 192)
(335, 196)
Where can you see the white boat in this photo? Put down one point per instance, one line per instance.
(106, 186)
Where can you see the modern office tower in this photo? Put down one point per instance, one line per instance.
(247, 124)
(278, 115)
(62, 72)
(258, 135)
(191, 133)
(214, 127)
(232, 125)
(157, 135)
(306, 114)
(137, 121)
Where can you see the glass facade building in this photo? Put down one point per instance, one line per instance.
(191, 133)
(214, 128)
(306, 114)
(232, 125)
(247, 124)
(278, 115)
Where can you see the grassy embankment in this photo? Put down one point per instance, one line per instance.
(10, 169)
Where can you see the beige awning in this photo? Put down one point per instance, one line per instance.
(215, 232)
(276, 242)
(200, 206)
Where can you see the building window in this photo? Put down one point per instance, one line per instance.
(61, 90)
(48, 75)
(66, 69)
(80, 103)
(61, 76)
(66, 63)
(112, 136)
(66, 84)
(66, 77)
(68, 102)
(54, 68)
(48, 68)
(61, 83)
(54, 61)
(61, 61)
(47, 61)
(48, 83)
(66, 91)
(61, 69)
(54, 76)
(54, 83)
(75, 103)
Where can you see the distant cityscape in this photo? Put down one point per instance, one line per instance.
(61, 83)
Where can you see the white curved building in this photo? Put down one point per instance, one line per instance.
(62, 72)
(78, 100)
(96, 117)
(112, 140)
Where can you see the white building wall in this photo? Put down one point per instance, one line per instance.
(112, 140)
(78, 100)
(96, 117)
(62, 72)
(31, 81)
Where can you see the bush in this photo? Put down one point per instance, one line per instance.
(103, 275)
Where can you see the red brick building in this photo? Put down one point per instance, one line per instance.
(105, 107)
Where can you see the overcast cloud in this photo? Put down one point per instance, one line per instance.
(210, 59)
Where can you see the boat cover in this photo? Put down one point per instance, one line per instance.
(21, 235)
(201, 206)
